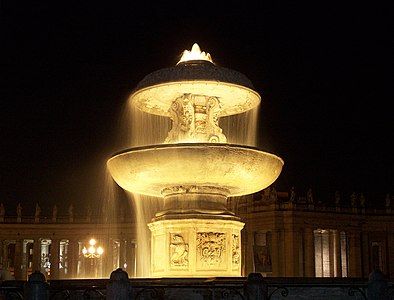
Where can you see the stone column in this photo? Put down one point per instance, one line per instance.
(275, 254)
(122, 253)
(130, 258)
(354, 254)
(25, 264)
(244, 245)
(55, 248)
(309, 252)
(332, 254)
(37, 255)
(1, 252)
(5, 254)
(107, 257)
(73, 256)
(249, 265)
(291, 253)
(282, 259)
(338, 262)
(365, 255)
(390, 237)
(18, 266)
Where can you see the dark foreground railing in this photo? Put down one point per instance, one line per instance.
(119, 286)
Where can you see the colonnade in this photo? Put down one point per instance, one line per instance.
(293, 252)
(25, 255)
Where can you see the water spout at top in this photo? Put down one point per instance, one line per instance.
(195, 54)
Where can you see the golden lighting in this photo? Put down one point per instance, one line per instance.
(100, 250)
(238, 169)
(195, 169)
(195, 54)
(92, 251)
(234, 99)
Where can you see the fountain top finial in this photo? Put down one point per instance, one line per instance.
(196, 74)
(195, 54)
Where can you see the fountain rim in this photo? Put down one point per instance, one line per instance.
(225, 145)
(235, 108)
(194, 70)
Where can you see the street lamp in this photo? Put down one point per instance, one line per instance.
(92, 251)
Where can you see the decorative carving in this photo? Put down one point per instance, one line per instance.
(195, 118)
(179, 251)
(194, 189)
(236, 255)
(210, 248)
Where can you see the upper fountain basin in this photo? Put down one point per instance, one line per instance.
(239, 170)
(155, 93)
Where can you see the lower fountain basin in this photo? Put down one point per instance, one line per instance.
(154, 170)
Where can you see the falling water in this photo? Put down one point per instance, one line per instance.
(241, 129)
(144, 210)
(140, 128)
(109, 214)
(137, 128)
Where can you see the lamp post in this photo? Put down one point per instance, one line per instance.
(92, 253)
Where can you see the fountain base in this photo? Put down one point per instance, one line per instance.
(196, 246)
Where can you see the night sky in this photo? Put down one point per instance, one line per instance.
(324, 72)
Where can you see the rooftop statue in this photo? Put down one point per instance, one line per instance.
(2, 210)
(292, 195)
(353, 199)
(388, 200)
(309, 196)
(337, 197)
(54, 212)
(38, 211)
(362, 200)
(19, 210)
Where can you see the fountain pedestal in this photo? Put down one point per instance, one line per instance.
(196, 247)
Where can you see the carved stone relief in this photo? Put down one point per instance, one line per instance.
(179, 251)
(195, 118)
(210, 249)
(235, 257)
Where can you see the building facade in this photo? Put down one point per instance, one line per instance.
(284, 236)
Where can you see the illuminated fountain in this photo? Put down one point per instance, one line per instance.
(195, 169)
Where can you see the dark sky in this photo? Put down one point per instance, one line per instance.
(324, 72)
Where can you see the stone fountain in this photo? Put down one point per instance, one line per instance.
(195, 170)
